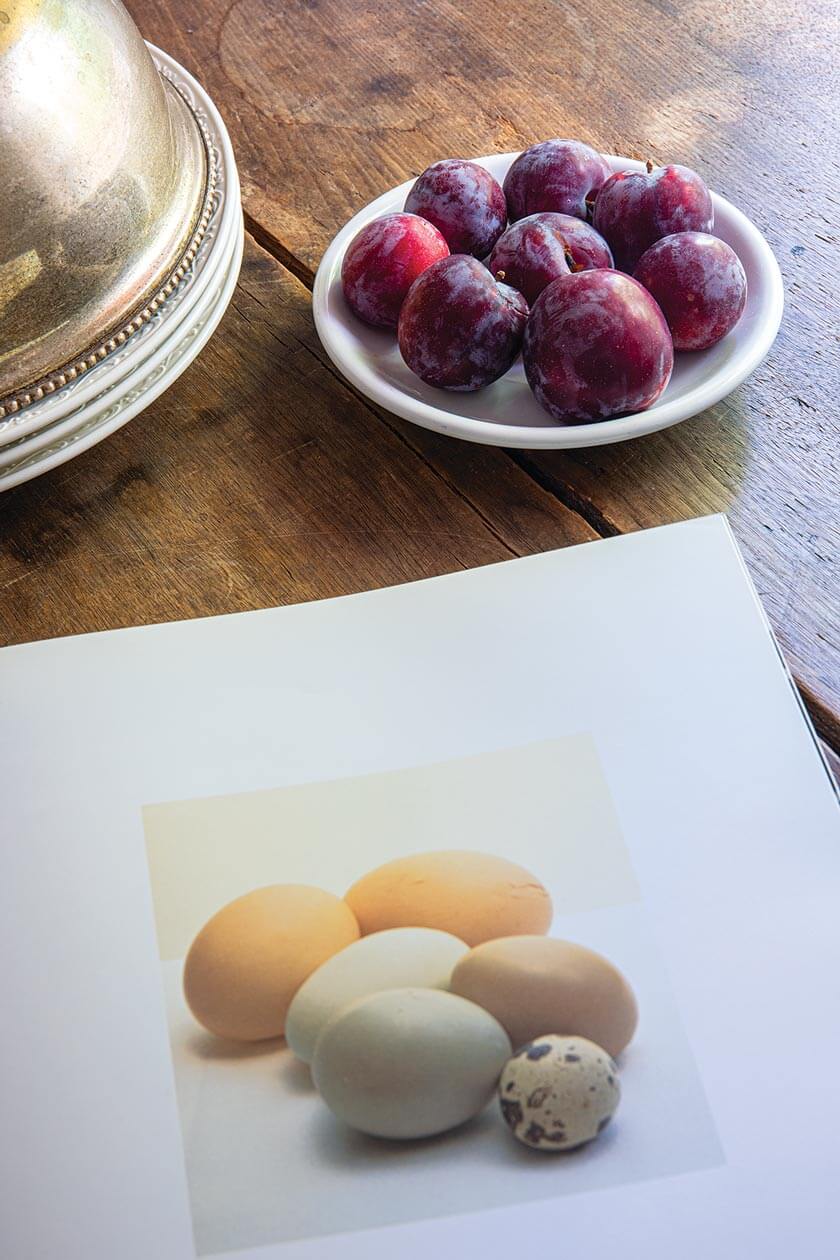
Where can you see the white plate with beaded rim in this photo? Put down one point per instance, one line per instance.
(506, 412)
(221, 226)
(104, 416)
(141, 366)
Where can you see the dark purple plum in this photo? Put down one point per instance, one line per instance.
(383, 261)
(636, 208)
(530, 254)
(464, 202)
(536, 250)
(700, 285)
(459, 328)
(559, 175)
(596, 346)
(586, 246)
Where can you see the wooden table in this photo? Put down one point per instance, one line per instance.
(262, 478)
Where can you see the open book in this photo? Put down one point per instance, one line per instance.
(613, 719)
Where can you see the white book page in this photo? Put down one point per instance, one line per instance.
(615, 717)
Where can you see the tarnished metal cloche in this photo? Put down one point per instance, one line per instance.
(102, 176)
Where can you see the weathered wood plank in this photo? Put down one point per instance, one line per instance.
(259, 478)
(331, 103)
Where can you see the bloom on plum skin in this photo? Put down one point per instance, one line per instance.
(555, 175)
(597, 346)
(464, 202)
(539, 248)
(636, 208)
(459, 328)
(530, 254)
(700, 285)
(586, 246)
(382, 262)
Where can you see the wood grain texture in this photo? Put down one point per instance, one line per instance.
(330, 103)
(258, 479)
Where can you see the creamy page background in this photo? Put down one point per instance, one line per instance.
(545, 801)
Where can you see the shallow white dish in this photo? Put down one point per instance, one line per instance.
(146, 359)
(205, 274)
(104, 415)
(506, 413)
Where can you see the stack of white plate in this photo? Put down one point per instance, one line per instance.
(63, 424)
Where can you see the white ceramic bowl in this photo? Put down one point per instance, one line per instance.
(111, 394)
(506, 412)
(162, 327)
(147, 358)
(104, 415)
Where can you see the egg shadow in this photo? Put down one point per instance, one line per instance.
(338, 1146)
(552, 1162)
(294, 1074)
(207, 1046)
(485, 1139)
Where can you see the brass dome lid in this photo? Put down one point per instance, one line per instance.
(103, 173)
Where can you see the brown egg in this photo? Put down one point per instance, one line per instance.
(475, 896)
(249, 960)
(535, 985)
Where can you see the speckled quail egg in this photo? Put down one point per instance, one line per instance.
(557, 1093)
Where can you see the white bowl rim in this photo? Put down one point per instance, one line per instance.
(15, 454)
(106, 375)
(72, 438)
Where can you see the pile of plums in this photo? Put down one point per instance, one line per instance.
(596, 277)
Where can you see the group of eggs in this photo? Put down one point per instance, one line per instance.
(431, 985)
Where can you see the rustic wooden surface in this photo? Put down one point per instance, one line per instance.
(261, 478)
(287, 488)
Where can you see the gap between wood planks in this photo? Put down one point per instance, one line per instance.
(824, 720)
(571, 499)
